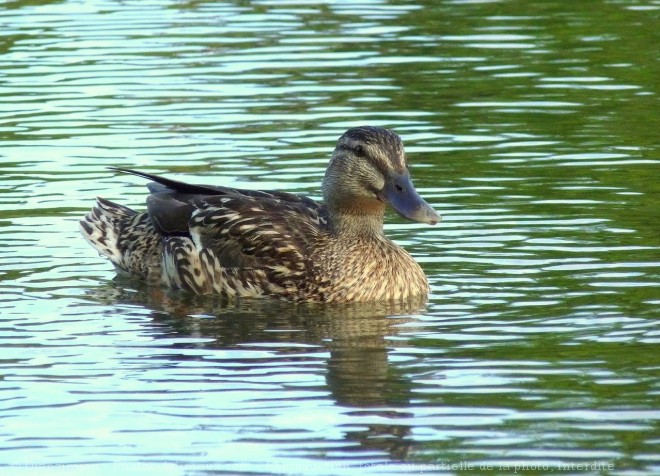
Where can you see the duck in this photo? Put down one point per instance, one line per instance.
(217, 240)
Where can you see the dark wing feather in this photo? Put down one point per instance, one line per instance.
(163, 184)
(174, 185)
(170, 212)
(172, 203)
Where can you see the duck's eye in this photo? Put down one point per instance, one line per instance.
(359, 150)
(398, 188)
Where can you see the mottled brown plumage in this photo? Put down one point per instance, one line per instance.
(219, 240)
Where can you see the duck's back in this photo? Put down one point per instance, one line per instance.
(230, 242)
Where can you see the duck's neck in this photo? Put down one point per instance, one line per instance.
(357, 221)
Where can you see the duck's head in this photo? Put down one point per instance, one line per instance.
(368, 171)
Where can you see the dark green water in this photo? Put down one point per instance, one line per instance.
(532, 126)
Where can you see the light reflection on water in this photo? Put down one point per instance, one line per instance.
(535, 135)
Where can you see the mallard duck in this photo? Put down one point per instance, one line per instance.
(245, 243)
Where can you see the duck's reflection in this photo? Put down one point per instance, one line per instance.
(359, 375)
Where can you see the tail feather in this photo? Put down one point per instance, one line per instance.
(102, 226)
(125, 237)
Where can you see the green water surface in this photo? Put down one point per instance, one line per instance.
(532, 126)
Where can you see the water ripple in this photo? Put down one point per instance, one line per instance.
(533, 134)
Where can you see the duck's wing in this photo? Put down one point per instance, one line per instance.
(162, 184)
(243, 246)
(258, 232)
(172, 202)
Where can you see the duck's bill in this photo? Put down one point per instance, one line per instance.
(399, 192)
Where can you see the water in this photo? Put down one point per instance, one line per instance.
(533, 130)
